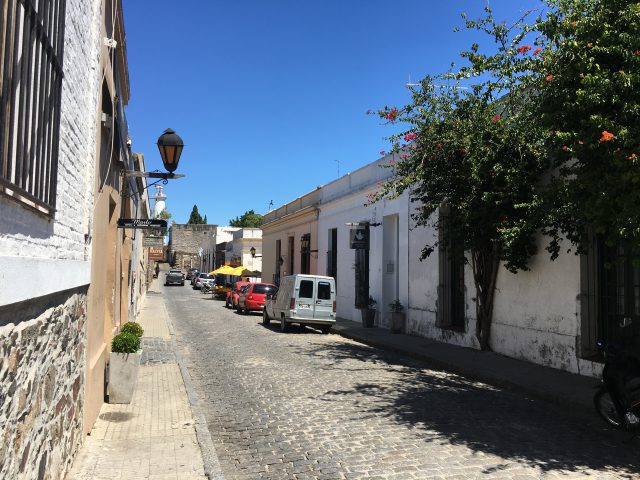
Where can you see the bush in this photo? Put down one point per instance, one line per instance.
(125, 343)
(132, 327)
(396, 306)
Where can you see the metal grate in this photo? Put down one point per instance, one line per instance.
(31, 54)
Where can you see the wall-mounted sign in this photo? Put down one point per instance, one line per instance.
(153, 241)
(359, 238)
(141, 223)
(156, 254)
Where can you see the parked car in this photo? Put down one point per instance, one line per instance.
(253, 298)
(194, 277)
(204, 279)
(190, 273)
(174, 277)
(305, 300)
(231, 299)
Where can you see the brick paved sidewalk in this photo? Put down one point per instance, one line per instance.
(154, 437)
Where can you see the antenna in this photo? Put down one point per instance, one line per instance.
(338, 162)
(270, 206)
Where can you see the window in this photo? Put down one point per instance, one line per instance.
(451, 301)
(31, 51)
(324, 291)
(306, 289)
(610, 287)
(261, 288)
(332, 254)
(305, 253)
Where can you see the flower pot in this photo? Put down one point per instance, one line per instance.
(123, 376)
(397, 322)
(368, 317)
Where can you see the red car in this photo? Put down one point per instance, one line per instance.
(252, 299)
(231, 299)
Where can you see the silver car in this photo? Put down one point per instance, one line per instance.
(204, 279)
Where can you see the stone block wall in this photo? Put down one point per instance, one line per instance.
(42, 364)
(185, 241)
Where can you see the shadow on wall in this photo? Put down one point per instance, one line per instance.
(17, 220)
(450, 409)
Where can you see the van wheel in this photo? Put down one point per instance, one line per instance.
(265, 318)
(283, 324)
(325, 328)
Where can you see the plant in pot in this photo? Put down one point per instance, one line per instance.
(397, 316)
(124, 363)
(369, 313)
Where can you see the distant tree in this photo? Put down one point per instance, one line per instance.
(165, 214)
(195, 218)
(249, 219)
(205, 220)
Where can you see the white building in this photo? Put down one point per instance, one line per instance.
(208, 243)
(238, 250)
(548, 315)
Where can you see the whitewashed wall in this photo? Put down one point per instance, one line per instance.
(32, 246)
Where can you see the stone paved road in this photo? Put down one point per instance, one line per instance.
(305, 405)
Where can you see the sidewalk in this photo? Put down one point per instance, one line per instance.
(574, 391)
(154, 437)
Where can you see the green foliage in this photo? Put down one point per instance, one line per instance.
(125, 343)
(249, 219)
(164, 214)
(396, 306)
(195, 218)
(132, 327)
(589, 79)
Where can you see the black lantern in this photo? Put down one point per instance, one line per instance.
(170, 145)
(253, 251)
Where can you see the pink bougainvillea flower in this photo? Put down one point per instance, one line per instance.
(607, 136)
(524, 48)
(414, 147)
(632, 157)
(382, 152)
(406, 155)
(409, 137)
(548, 78)
(393, 161)
(580, 142)
(392, 114)
(537, 51)
(496, 118)
(440, 145)
(636, 53)
(565, 148)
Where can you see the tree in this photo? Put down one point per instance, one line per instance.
(164, 214)
(195, 218)
(249, 219)
(471, 160)
(588, 80)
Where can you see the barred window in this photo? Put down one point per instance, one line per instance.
(31, 51)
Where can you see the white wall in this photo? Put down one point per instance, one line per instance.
(31, 245)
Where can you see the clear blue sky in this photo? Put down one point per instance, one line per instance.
(267, 94)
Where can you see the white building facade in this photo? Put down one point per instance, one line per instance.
(539, 315)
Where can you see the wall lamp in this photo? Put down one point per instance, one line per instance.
(252, 250)
(170, 146)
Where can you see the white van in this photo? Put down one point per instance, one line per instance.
(303, 299)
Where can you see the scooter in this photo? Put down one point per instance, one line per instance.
(617, 400)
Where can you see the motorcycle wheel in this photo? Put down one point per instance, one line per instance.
(606, 408)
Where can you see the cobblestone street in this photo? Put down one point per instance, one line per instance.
(305, 405)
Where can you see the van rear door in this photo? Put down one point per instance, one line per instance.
(324, 293)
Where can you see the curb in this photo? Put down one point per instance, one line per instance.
(212, 468)
(579, 408)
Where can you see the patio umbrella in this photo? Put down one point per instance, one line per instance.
(223, 270)
(242, 272)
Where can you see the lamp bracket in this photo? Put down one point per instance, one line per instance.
(163, 177)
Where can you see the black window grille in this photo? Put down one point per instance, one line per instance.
(31, 54)
(332, 254)
(451, 299)
(305, 253)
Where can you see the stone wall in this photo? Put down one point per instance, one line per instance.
(42, 364)
(184, 243)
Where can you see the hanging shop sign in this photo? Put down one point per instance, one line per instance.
(141, 223)
(153, 241)
(359, 238)
(156, 254)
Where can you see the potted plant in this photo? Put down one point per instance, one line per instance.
(397, 316)
(369, 313)
(124, 363)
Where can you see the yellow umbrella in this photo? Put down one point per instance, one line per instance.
(223, 270)
(242, 272)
